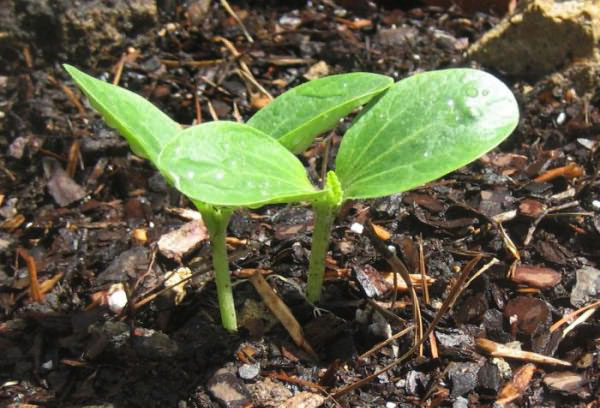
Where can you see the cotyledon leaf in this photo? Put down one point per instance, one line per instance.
(422, 128)
(231, 164)
(297, 116)
(146, 128)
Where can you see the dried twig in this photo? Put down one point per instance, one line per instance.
(244, 70)
(233, 14)
(282, 312)
(193, 64)
(535, 223)
(34, 285)
(119, 69)
(500, 350)
(398, 267)
(571, 170)
(582, 318)
(379, 346)
(572, 315)
(70, 95)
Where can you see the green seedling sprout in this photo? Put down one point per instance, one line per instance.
(223, 165)
(420, 129)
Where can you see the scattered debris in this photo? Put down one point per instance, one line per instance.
(268, 393)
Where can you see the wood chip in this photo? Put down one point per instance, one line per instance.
(180, 242)
(537, 277)
(565, 381)
(517, 386)
(304, 400)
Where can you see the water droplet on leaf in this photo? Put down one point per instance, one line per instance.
(472, 91)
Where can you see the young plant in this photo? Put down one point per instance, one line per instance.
(422, 128)
(223, 165)
(419, 129)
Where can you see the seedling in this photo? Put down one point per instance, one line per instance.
(422, 128)
(419, 129)
(223, 165)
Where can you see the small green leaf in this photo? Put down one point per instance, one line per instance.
(299, 115)
(231, 164)
(146, 128)
(422, 128)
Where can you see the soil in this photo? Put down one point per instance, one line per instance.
(85, 214)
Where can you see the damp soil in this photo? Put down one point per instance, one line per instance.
(85, 214)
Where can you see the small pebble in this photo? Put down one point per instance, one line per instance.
(48, 365)
(587, 286)
(228, 390)
(460, 402)
(357, 228)
(249, 371)
(463, 377)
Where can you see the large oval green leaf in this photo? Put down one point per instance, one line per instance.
(299, 115)
(231, 164)
(146, 128)
(422, 128)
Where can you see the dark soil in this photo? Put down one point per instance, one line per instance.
(75, 205)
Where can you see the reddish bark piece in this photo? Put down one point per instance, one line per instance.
(535, 276)
(517, 386)
(532, 208)
(526, 313)
(178, 243)
(371, 281)
(424, 200)
(517, 161)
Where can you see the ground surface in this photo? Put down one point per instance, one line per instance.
(69, 349)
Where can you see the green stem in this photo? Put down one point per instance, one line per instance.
(216, 220)
(325, 212)
(324, 217)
